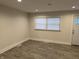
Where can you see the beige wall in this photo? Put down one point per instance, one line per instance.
(13, 26)
(63, 37)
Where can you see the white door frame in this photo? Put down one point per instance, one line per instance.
(73, 31)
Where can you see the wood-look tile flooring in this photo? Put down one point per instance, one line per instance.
(40, 50)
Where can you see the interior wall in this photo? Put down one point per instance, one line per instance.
(66, 26)
(13, 26)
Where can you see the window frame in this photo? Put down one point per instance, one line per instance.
(47, 23)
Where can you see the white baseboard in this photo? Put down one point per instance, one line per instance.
(50, 41)
(12, 46)
(43, 40)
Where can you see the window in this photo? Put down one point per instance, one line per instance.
(47, 23)
(40, 23)
(53, 24)
(76, 21)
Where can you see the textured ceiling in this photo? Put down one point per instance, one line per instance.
(42, 5)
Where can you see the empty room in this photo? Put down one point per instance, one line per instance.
(39, 29)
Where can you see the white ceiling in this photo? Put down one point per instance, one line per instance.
(42, 5)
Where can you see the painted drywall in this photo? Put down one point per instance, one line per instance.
(13, 26)
(66, 26)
